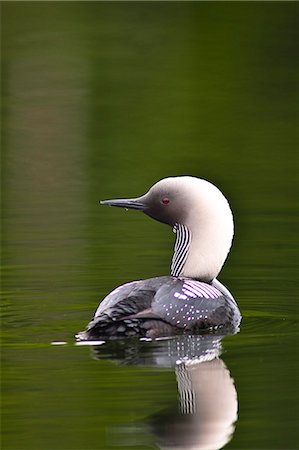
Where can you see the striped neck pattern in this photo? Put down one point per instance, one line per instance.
(181, 248)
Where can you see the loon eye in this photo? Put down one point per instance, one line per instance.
(165, 200)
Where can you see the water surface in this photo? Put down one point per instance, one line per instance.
(100, 100)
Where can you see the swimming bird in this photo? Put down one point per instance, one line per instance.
(190, 299)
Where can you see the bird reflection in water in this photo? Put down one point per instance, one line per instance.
(207, 412)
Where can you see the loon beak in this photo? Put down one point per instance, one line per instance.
(128, 203)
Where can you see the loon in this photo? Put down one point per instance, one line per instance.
(191, 299)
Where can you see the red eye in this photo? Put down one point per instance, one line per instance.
(165, 200)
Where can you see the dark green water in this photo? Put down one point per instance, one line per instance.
(100, 100)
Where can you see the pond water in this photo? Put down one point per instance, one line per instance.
(100, 100)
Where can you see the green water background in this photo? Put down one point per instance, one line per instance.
(100, 100)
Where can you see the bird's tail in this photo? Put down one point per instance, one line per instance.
(104, 327)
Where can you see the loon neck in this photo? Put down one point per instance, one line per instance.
(200, 251)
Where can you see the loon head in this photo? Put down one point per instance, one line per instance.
(200, 216)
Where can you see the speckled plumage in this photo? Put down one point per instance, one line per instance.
(162, 306)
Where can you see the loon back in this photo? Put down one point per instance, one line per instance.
(163, 306)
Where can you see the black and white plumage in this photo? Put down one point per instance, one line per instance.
(181, 248)
(191, 299)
